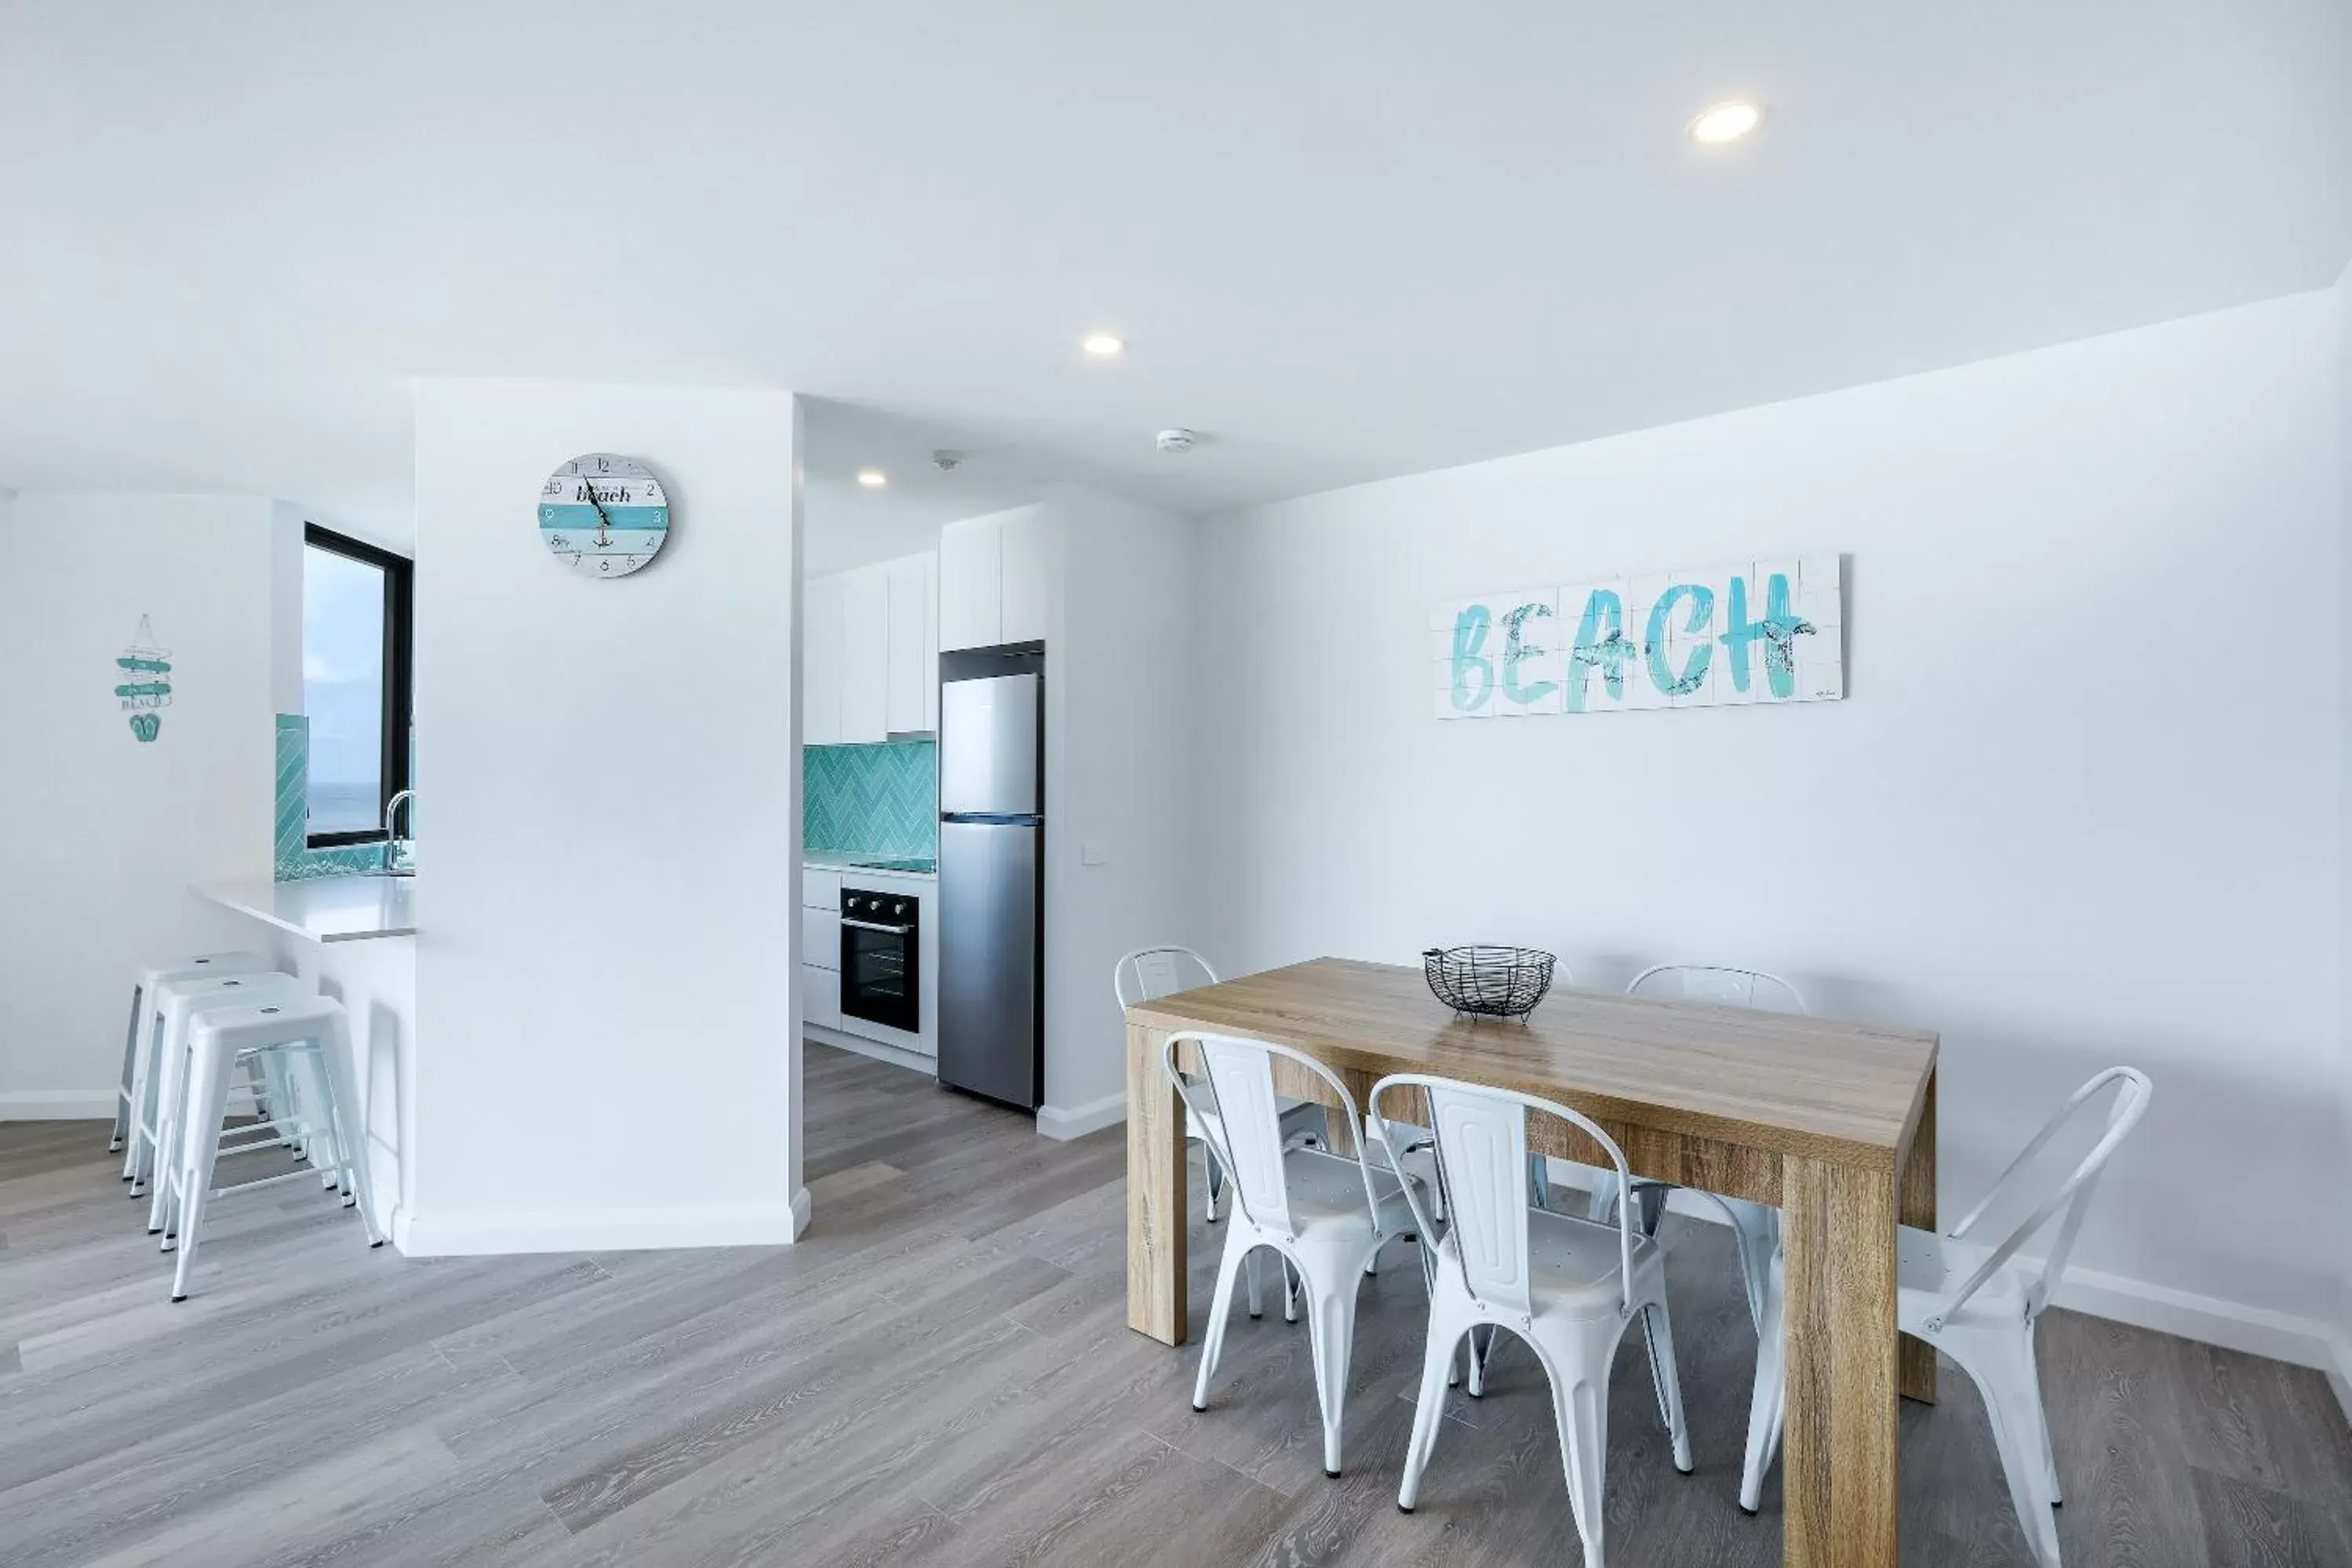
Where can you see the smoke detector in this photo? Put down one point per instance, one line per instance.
(1176, 440)
(947, 462)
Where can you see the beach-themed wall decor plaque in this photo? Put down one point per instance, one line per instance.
(1758, 631)
(143, 682)
(603, 514)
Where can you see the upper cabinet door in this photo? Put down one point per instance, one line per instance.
(865, 656)
(824, 605)
(971, 584)
(931, 642)
(1027, 567)
(912, 657)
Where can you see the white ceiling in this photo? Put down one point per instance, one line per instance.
(848, 525)
(1346, 238)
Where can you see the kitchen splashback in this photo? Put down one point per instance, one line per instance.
(880, 800)
(296, 859)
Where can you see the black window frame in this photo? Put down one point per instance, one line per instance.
(398, 597)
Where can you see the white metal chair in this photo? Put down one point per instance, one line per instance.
(311, 1036)
(1569, 1287)
(1974, 1305)
(1755, 1227)
(1149, 973)
(131, 1091)
(1327, 1215)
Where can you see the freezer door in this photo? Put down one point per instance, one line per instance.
(988, 746)
(989, 1038)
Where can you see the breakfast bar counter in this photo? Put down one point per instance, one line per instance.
(326, 908)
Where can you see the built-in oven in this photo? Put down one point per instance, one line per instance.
(881, 958)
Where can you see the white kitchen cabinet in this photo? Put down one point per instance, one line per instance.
(971, 584)
(821, 981)
(869, 656)
(1026, 570)
(820, 938)
(820, 997)
(913, 655)
(865, 650)
(996, 578)
(821, 647)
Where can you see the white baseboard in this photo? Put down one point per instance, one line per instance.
(601, 1230)
(912, 1061)
(803, 1208)
(2209, 1320)
(57, 1106)
(1066, 1122)
(2339, 1376)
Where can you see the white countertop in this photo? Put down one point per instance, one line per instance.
(325, 908)
(848, 867)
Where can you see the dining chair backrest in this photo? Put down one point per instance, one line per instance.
(1149, 973)
(2071, 1197)
(1481, 1148)
(1243, 1122)
(1718, 984)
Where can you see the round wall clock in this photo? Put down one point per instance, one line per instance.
(605, 515)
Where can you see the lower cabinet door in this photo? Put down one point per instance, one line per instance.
(820, 997)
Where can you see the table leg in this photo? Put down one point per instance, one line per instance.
(1838, 1464)
(1917, 1209)
(1156, 1212)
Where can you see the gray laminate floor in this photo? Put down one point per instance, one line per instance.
(940, 1374)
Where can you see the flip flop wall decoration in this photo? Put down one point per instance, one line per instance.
(143, 681)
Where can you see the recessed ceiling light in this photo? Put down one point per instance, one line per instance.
(1103, 346)
(873, 478)
(1726, 122)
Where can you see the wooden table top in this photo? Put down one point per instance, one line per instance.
(1813, 1087)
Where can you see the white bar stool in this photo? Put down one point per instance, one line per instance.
(133, 1091)
(311, 1038)
(173, 1005)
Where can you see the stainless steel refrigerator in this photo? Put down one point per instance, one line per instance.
(992, 867)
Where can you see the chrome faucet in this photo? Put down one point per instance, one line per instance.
(399, 853)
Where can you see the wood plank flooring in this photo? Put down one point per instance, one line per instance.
(940, 1374)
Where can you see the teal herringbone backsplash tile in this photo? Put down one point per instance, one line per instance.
(871, 800)
(295, 860)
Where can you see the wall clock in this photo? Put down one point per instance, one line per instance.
(604, 515)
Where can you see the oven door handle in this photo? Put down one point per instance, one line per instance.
(876, 925)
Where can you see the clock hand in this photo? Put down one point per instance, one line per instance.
(604, 523)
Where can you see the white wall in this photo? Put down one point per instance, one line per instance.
(101, 835)
(2342, 300)
(1119, 694)
(2079, 808)
(607, 1041)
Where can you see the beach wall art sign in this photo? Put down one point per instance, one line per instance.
(143, 682)
(1760, 632)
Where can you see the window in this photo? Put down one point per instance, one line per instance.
(354, 684)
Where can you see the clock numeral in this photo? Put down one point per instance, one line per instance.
(555, 541)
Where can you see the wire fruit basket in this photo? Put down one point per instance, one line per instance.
(1488, 981)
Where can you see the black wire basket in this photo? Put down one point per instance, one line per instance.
(1488, 982)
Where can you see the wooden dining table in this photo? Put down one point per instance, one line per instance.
(1831, 1123)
